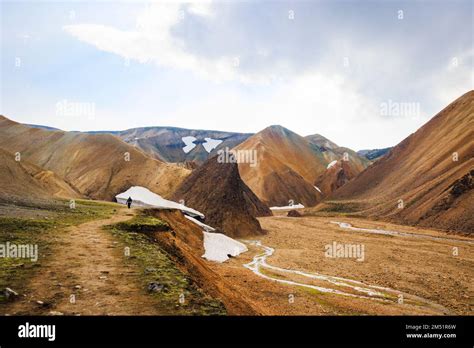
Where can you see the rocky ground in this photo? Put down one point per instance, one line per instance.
(439, 272)
(94, 260)
(85, 267)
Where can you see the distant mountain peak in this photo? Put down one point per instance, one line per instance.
(277, 128)
(321, 141)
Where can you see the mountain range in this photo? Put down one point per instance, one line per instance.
(179, 145)
(426, 180)
(288, 165)
(98, 166)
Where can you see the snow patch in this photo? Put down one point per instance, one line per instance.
(317, 188)
(294, 206)
(189, 142)
(211, 144)
(331, 164)
(207, 228)
(218, 247)
(143, 197)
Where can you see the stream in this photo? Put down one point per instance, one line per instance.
(361, 290)
(348, 226)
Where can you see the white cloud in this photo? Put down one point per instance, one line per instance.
(455, 79)
(337, 101)
(311, 103)
(152, 41)
(201, 8)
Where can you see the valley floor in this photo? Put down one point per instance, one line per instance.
(417, 272)
(83, 268)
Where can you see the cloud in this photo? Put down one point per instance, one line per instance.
(201, 8)
(152, 41)
(241, 66)
(455, 78)
(311, 103)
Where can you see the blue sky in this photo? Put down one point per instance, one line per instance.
(322, 67)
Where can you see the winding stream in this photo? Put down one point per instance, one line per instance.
(348, 226)
(360, 290)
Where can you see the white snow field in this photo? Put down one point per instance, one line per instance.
(189, 142)
(218, 247)
(211, 144)
(294, 206)
(207, 228)
(331, 164)
(143, 197)
(317, 188)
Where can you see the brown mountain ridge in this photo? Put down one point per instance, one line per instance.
(216, 190)
(427, 178)
(21, 181)
(98, 166)
(288, 165)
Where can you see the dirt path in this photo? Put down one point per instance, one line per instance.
(86, 275)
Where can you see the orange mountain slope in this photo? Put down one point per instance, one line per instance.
(98, 165)
(23, 181)
(427, 179)
(288, 165)
(336, 176)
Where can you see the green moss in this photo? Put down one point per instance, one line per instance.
(338, 207)
(328, 208)
(323, 300)
(143, 223)
(157, 267)
(273, 274)
(41, 224)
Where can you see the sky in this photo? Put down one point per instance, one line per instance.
(364, 74)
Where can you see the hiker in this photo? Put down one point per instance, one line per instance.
(129, 202)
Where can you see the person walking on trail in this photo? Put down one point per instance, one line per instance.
(129, 202)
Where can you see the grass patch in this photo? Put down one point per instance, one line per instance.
(39, 225)
(338, 208)
(157, 267)
(321, 299)
(272, 273)
(142, 223)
